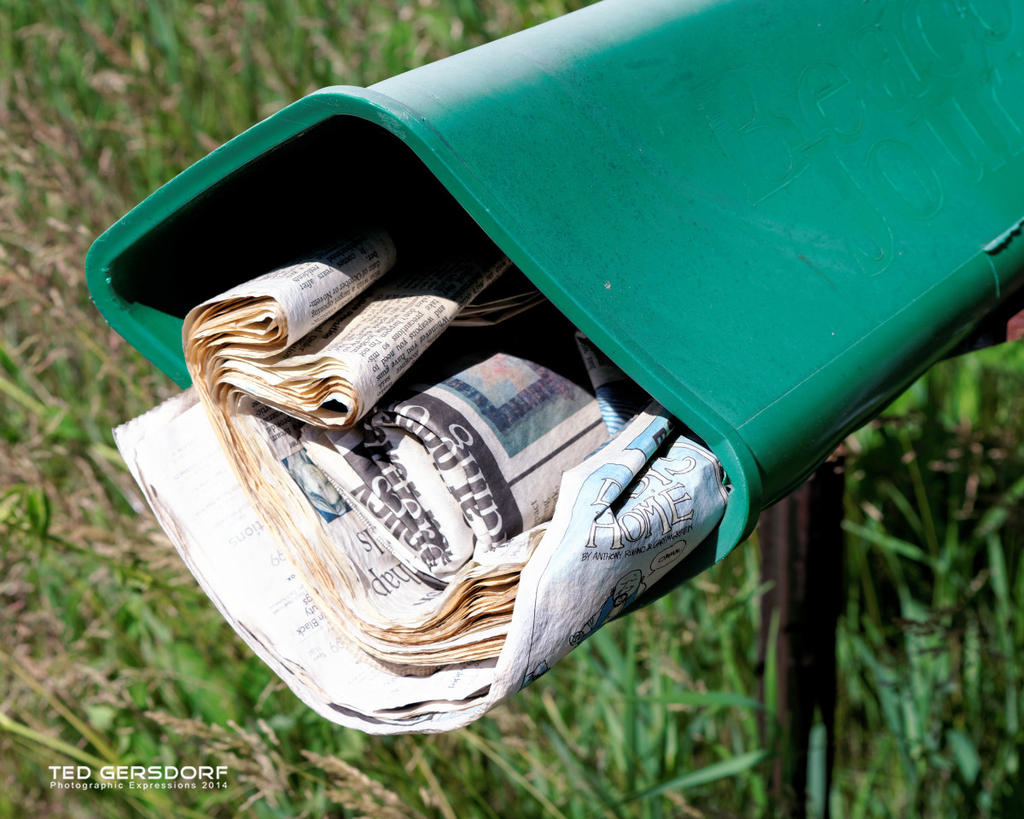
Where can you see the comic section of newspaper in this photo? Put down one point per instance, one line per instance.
(625, 517)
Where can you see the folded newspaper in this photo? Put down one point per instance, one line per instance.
(407, 530)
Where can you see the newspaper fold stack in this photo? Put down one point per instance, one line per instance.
(406, 554)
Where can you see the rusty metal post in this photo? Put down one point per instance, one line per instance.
(801, 541)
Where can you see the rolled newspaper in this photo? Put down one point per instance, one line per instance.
(300, 340)
(406, 558)
(459, 468)
(625, 517)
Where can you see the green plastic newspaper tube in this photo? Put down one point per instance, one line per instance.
(773, 216)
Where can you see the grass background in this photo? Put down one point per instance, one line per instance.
(110, 655)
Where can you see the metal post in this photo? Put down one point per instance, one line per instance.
(802, 557)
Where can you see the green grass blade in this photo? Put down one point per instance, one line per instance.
(718, 770)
